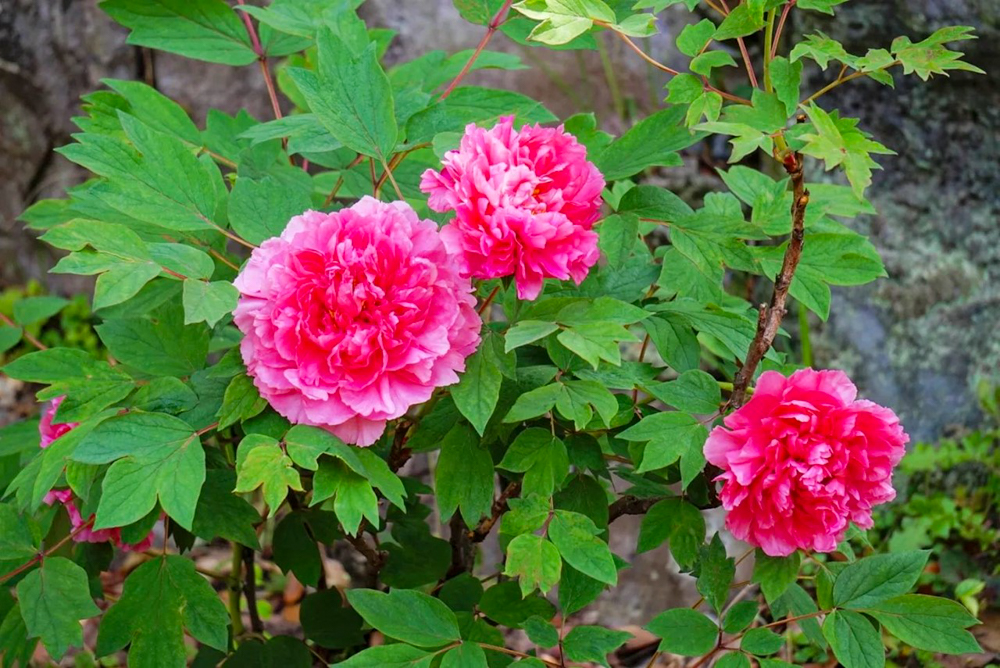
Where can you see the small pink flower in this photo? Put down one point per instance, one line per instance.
(49, 432)
(804, 458)
(350, 318)
(524, 202)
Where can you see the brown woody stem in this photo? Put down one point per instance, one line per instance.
(771, 314)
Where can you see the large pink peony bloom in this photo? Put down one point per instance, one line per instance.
(802, 459)
(48, 432)
(354, 316)
(524, 201)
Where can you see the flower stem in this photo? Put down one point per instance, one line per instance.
(24, 332)
(490, 30)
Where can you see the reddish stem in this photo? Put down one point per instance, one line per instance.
(489, 300)
(492, 28)
(24, 332)
(781, 26)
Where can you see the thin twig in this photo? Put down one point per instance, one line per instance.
(39, 557)
(747, 63)
(340, 180)
(842, 80)
(250, 589)
(781, 26)
(514, 652)
(771, 314)
(24, 332)
(494, 25)
(489, 300)
(500, 506)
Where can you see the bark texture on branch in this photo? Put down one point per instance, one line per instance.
(769, 319)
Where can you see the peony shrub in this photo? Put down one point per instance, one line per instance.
(410, 314)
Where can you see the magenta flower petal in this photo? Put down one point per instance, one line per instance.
(350, 318)
(524, 203)
(802, 459)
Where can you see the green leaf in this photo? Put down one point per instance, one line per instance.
(354, 500)
(535, 562)
(91, 385)
(694, 391)
(351, 95)
(822, 49)
(855, 642)
(162, 600)
(659, 5)
(156, 109)
(479, 12)
(201, 29)
(684, 89)
(561, 21)
(463, 477)
(745, 19)
(541, 457)
(577, 398)
(478, 389)
(472, 104)
(715, 573)
(53, 599)
(928, 623)
(466, 655)
(122, 282)
(16, 648)
(786, 77)
(825, 6)
(878, 578)
(504, 604)
(592, 644)
(619, 234)
(389, 656)
(18, 534)
(695, 37)
(761, 642)
(929, 56)
(575, 535)
(223, 514)
(740, 616)
(207, 302)
(707, 105)
(684, 631)
(831, 259)
(527, 331)
(775, 574)
(157, 457)
(241, 401)
(378, 473)
(655, 140)
(736, 660)
(295, 548)
(305, 444)
(677, 521)
(407, 615)
(260, 208)
(31, 310)
(9, 337)
(534, 403)
(158, 342)
(708, 61)
(260, 462)
(838, 142)
(328, 623)
(669, 434)
(676, 342)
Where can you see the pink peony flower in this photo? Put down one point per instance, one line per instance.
(48, 433)
(804, 458)
(352, 317)
(524, 201)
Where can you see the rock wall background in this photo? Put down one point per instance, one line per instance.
(919, 341)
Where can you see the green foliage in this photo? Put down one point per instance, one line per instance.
(593, 401)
